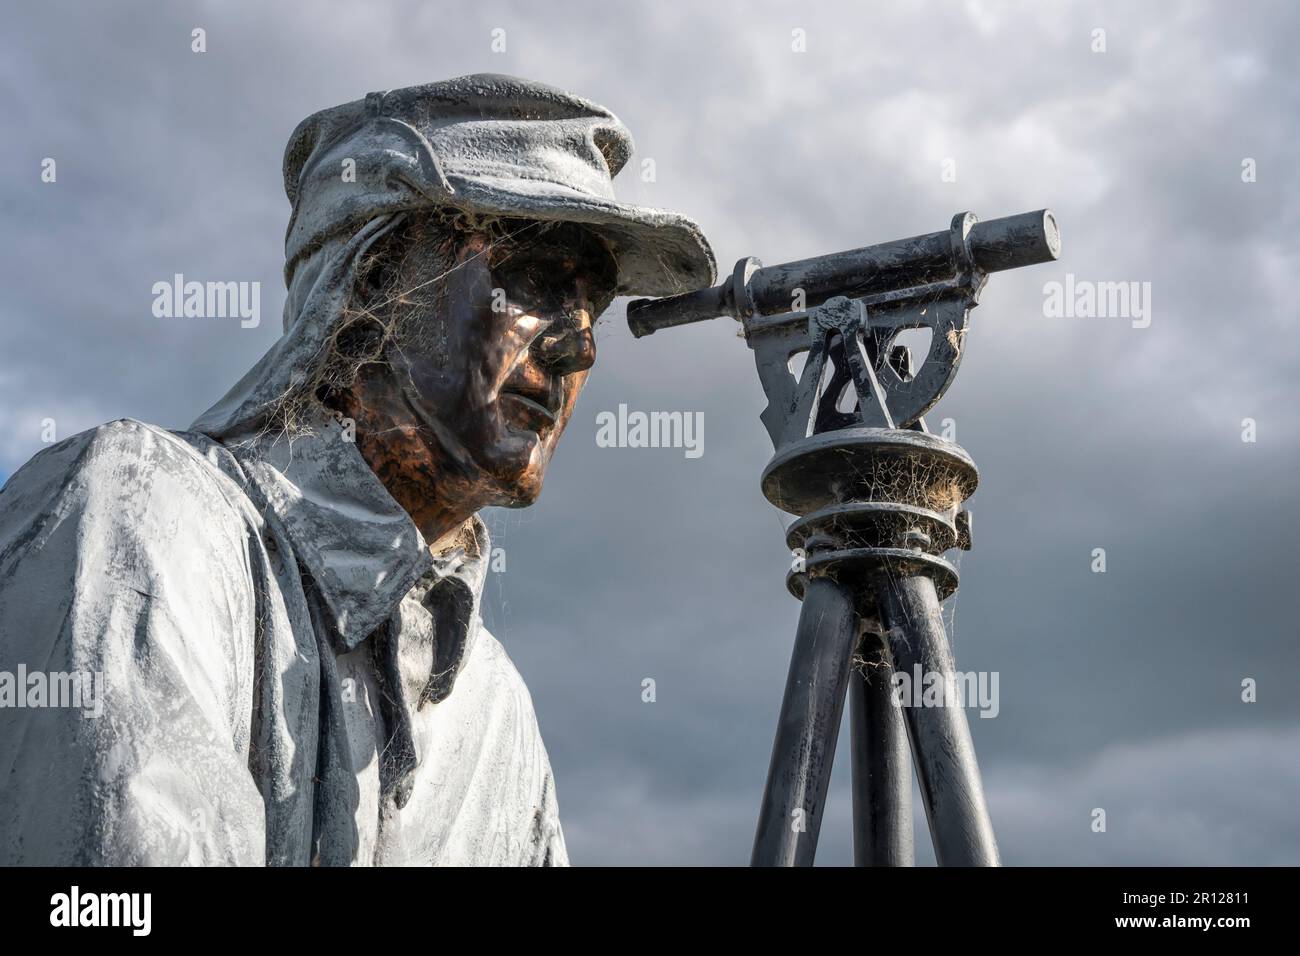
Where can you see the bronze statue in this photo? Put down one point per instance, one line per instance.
(282, 601)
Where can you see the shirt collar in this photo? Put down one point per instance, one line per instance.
(360, 547)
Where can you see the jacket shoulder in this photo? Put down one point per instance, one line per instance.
(122, 473)
(124, 562)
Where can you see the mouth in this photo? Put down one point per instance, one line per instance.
(533, 413)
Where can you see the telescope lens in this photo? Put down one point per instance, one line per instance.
(1052, 233)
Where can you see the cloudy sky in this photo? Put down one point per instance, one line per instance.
(1119, 690)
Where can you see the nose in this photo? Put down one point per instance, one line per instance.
(567, 345)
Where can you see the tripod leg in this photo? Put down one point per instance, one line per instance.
(941, 745)
(804, 747)
(882, 767)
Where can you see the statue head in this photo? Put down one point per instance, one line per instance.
(449, 251)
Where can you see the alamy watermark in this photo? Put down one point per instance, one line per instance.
(634, 429)
(922, 688)
(83, 690)
(75, 908)
(208, 300)
(1085, 299)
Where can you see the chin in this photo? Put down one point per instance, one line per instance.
(521, 492)
(519, 469)
(518, 479)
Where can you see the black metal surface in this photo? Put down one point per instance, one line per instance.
(907, 388)
(856, 567)
(882, 768)
(839, 357)
(946, 767)
(856, 464)
(991, 246)
(861, 522)
(880, 504)
(807, 729)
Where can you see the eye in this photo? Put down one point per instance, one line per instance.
(546, 276)
(531, 286)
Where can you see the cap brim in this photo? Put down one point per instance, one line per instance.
(658, 252)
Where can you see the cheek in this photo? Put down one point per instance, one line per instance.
(499, 352)
(462, 368)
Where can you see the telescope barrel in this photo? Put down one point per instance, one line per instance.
(993, 246)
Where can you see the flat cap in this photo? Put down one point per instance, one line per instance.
(487, 144)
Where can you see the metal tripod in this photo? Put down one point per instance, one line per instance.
(871, 590)
(878, 501)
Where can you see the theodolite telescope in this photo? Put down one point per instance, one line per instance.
(878, 501)
(754, 289)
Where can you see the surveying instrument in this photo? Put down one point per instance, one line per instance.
(878, 500)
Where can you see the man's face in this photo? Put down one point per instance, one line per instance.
(494, 352)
